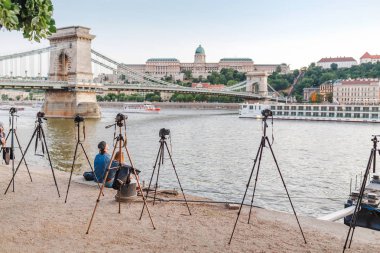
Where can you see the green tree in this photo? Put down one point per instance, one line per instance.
(4, 97)
(18, 97)
(334, 66)
(32, 17)
(30, 96)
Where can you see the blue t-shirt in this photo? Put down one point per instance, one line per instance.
(101, 163)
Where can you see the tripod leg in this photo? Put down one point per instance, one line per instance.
(72, 169)
(246, 188)
(89, 163)
(283, 182)
(139, 186)
(18, 166)
(101, 188)
(150, 181)
(355, 215)
(171, 159)
(26, 165)
(161, 161)
(47, 151)
(257, 176)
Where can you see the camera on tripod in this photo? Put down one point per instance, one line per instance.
(164, 132)
(40, 115)
(120, 118)
(78, 118)
(267, 113)
(13, 110)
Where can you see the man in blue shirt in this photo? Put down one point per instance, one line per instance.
(101, 163)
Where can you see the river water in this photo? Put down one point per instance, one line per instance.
(214, 150)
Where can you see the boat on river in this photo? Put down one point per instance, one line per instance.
(369, 213)
(315, 112)
(140, 108)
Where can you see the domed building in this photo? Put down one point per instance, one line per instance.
(163, 67)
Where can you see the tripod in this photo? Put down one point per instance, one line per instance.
(264, 139)
(120, 142)
(160, 161)
(39, 131)
(12, 133)
(79, 142)
(355, 215)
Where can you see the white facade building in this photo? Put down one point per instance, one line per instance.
(342, 62)
(366, 58)
(357, 91)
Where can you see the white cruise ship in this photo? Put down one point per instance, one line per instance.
(317, 112)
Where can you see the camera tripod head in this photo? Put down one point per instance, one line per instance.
(13, 111)
(40, 116)
(163, 133)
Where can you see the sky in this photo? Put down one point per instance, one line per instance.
(296, 32)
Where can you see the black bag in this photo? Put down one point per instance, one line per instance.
(122, 176)
(8, 155)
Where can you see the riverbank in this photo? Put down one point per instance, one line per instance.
(36, 220)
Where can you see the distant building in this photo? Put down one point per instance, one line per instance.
(326, 89)
(357, 91)
(164, 67)
(342, 62)
(366, 58)
(308, 92)
(208, 86)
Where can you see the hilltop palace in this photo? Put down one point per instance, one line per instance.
(161, 67)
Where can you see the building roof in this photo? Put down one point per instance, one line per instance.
(199, 50)
(368, 56)
(163, 59)
(360, 81)
(336, 59)
(235, 59)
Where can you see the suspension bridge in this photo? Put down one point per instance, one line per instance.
(64, 70)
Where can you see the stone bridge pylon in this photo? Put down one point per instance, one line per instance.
(71, 62)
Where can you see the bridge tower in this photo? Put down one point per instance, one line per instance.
(71, 62)
(257, 82)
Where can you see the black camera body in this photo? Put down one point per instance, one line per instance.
(78, 118)
(120, 118)
(40, 115)
(164, 132)
(13, 110)
(267, 113)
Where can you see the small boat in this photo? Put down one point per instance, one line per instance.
(369, 212)
(140, 108)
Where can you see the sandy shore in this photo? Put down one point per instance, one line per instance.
(34, 219)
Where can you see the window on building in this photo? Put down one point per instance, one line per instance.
(308, 108)
(339, 115)
(365, 115)
(279, 107)
(293, 113)
(375, 109)
(332, 108)
(331, 114)
(300, 107)
(273, 107)
(323, 114)
(347, 115)
(357, 109)
(286, 113)
(365, 109)
(251, 107)
(348, 109)
(356, 115)
(308, 113)
(375, 116)
(294, 108)
(323, 108)
(315, 114)
(300, 113)
(286, 107)
(279, 113)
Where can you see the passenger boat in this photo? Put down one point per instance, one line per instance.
(317, 112)
(369, 213)
(140, 108)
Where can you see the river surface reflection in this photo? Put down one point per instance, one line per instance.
(214, 151)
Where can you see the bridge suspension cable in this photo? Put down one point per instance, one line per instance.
(133, 73)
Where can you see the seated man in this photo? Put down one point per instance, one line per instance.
(101, 163)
